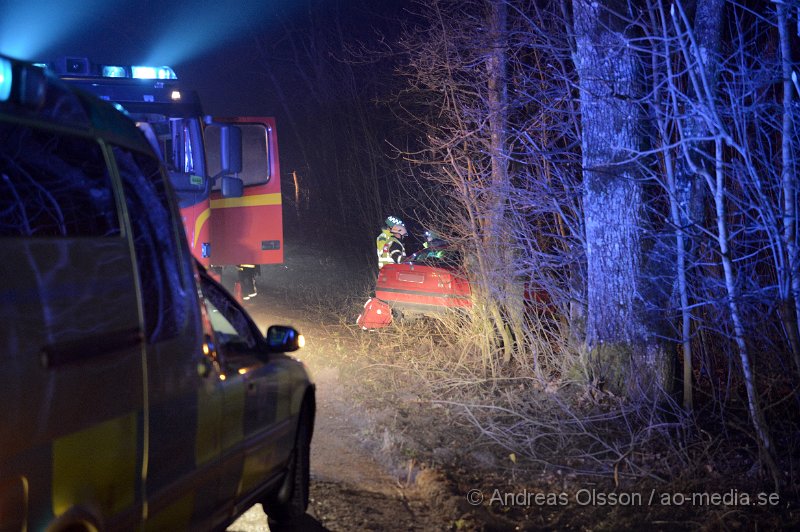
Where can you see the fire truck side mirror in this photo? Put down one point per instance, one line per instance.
(230, 149)
(232, 187)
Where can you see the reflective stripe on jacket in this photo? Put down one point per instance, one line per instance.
(392, 252)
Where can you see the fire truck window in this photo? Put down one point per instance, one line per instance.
(54, 185)
(165, 295)
(179, 140)
(255, 153)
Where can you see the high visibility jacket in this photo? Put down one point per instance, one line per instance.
(392, 251)
(383, 237)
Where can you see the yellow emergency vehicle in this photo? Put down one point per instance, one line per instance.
(135, 392)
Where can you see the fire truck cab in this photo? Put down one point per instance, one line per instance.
(224, 170)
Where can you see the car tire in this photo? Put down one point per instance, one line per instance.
(290, 502)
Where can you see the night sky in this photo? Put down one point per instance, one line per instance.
(213, 46)
(276, 58)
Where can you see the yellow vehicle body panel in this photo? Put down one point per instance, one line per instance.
(98, 463)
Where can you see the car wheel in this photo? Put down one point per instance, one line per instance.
(291, 500)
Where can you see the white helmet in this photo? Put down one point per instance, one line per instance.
(396, 226)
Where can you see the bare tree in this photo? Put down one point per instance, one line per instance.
(621, 342)
(686, 186)
(790, 288)
(720, 124)
(650, 182)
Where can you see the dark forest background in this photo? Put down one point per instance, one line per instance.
(635, 161)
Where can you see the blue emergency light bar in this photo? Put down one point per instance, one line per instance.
(138, 88)
(81, 66)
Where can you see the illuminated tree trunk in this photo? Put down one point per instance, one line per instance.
(790, 304)
(689, 190)
(707, 103)
(497, 235)
(616, 332)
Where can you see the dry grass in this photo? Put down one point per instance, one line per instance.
(445, 407)
(441, 399)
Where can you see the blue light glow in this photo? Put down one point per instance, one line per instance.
(143, 72)
(114, 72)
(117, 32)
(5, 79)
(150, 72)
(196, 27)
(28, 29)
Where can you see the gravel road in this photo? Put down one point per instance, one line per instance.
(351, 487)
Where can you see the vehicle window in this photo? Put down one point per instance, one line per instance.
(179, 140)
(54, 185)
(164, 295)
(227, 320)
(255, 153)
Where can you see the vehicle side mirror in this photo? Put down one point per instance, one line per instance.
(283, 339)
(232, 187)
(230, 138)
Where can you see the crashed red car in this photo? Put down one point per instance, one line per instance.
(426, 283)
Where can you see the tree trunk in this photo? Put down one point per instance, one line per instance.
(496, 234)
(791, 295)
(616, 334)
(689, 190)
(753, 403)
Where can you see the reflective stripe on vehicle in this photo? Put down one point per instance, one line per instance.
(198, 224)
(233, 413)
(96, 464)
(209, 417)
(255, 200)
(256, 467)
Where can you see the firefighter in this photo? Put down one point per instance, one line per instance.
(247, 280)
(390, 242)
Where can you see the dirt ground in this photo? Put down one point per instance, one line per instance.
(360, 481)
(352, 487)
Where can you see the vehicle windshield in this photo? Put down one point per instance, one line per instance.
(439, 258)
(180, 143)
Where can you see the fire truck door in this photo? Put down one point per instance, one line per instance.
(247, 229)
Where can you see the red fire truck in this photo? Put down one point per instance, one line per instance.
(225, 171)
